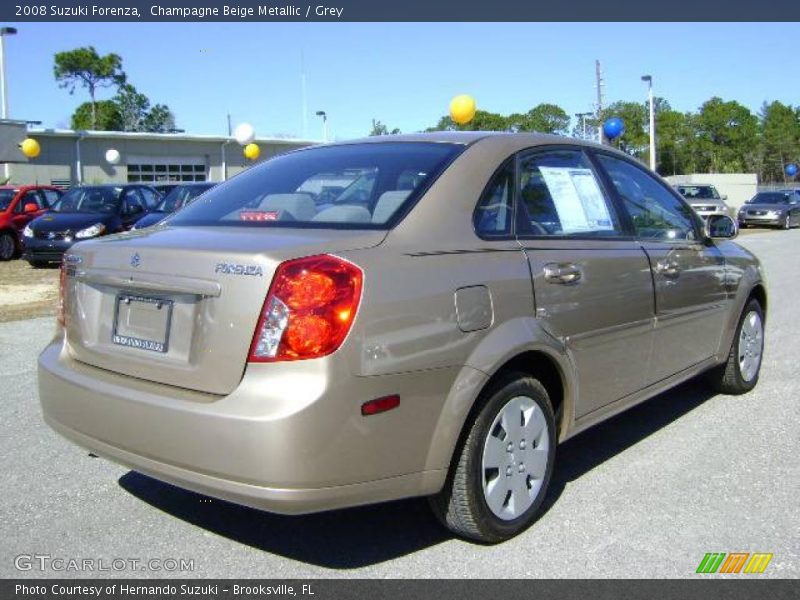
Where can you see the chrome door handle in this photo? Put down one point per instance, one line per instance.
(668, 268)
(562, 273)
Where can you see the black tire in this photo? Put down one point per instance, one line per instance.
(37, 264)
(8, 245)
(727, 378)
(461, 505)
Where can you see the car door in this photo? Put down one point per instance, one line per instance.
(592, 285)
(133, 207)
(21, 218)
(688, 271)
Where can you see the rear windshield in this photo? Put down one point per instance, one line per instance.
(89, 200)
(698, 192)
(355, 186)
(770, 198)
(180, 196)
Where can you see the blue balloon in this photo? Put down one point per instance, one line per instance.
(613, 127)
(791, 170)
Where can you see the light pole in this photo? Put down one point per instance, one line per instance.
(4, 31)
(649, 80)
(582, 117)
(323, 114)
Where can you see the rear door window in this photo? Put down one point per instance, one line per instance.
(560, 195)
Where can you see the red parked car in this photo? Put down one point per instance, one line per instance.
(20, 204)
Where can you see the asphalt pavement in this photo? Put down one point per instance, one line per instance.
(646, 494)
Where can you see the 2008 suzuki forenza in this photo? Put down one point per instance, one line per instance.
(401, 316)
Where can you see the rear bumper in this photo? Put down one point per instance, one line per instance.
(318, 455)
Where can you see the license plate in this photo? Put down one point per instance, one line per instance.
(142, 322)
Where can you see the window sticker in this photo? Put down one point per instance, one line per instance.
(578, 200)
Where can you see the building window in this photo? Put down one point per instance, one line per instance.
(165, 172)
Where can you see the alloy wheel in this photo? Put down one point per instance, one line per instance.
(751, 345)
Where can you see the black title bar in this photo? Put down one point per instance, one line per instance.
(399, 10)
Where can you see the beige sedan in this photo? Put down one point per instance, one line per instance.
(424, 315)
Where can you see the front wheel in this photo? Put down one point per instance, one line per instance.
(740, 372)
(502, 468)
(8, 246)
(787, 222)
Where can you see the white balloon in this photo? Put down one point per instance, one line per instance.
(244, 133)
(112, 156)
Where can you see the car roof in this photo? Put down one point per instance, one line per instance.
(465, 137)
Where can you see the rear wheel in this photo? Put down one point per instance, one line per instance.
(502, 468)
(37, 264)
(8, 245)
(740, 372)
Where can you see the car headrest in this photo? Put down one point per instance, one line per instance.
(387, 204)
(344, 214)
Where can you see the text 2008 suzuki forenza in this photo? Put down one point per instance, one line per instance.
(405, 316)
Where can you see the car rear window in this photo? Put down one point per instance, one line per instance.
(352, 186)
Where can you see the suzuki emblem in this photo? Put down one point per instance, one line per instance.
(136, 260)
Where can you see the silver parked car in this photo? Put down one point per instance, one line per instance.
(704, 199)
(473, 300)
(776, 209)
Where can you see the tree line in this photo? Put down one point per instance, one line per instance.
(128, 110)
(720, 137)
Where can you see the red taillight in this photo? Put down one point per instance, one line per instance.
(309, 309)
(62, 284)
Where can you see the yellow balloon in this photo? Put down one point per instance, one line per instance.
(30, 147)
(252, 151)
(462, 109)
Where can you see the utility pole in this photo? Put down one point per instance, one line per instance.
(649, 81)
(600, 85)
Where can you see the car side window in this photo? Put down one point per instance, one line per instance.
(51, 197)
(656, 214)
(151, 198)
(559, 195)
(495, 209)
(30, 197)
(133, 202)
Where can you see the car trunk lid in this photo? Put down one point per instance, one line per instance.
(179, 305)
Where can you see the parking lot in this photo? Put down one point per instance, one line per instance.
(645, 494)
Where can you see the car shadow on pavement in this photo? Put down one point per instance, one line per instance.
(358, 537)
(341, 539)
(579, 455)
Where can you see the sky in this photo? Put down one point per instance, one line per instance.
(403, 74)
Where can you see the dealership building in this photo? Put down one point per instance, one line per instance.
(70, 157)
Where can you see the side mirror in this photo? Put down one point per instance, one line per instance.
(721, 227)
(724, 196)
(31, 207)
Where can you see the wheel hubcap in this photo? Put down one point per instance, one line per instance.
(751, 344)
(514, 458)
